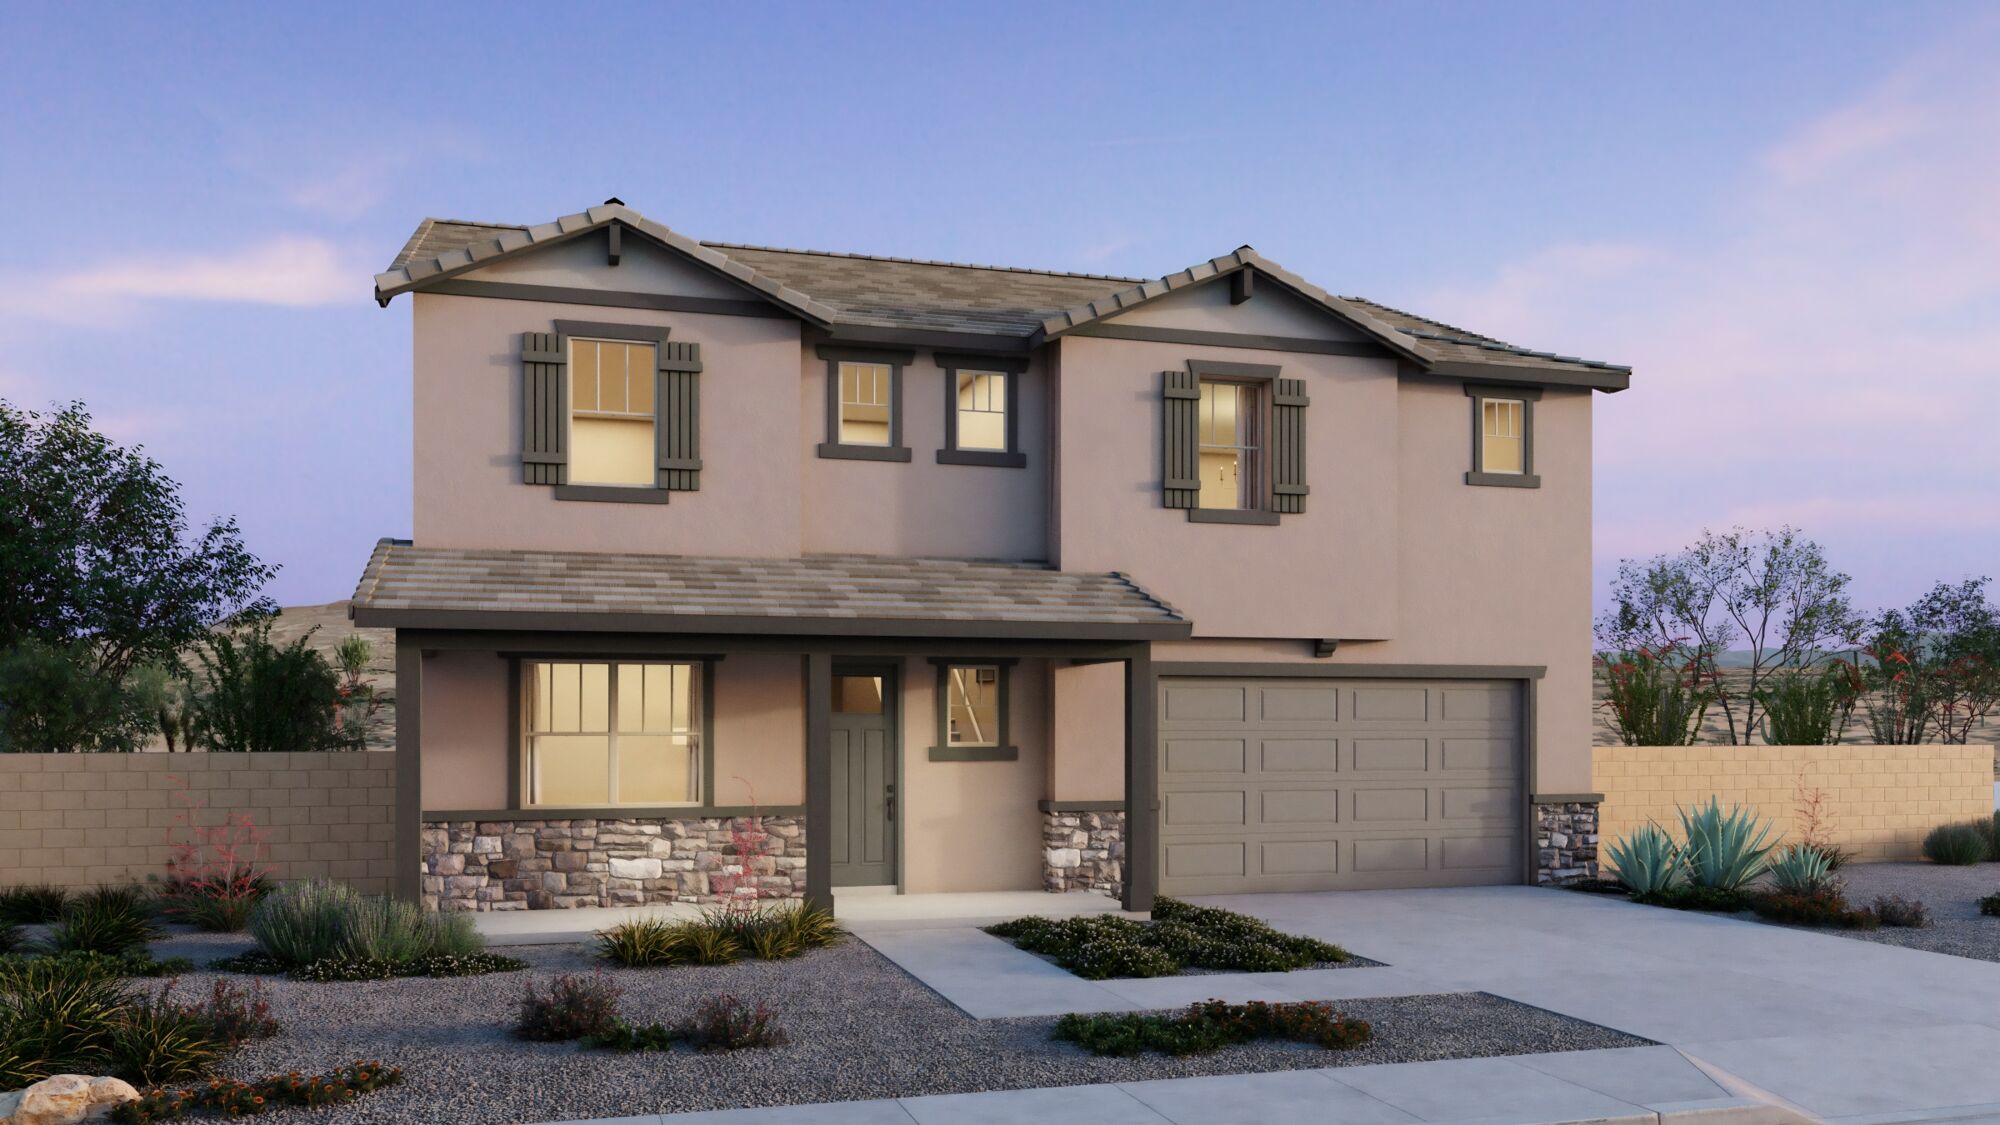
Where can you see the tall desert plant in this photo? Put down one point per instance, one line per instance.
(1648, 861)
(1655, 695)
(1725, 850)
(1806, 707)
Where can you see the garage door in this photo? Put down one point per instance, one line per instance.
(1308, 785)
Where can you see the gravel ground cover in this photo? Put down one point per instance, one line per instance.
(1952, 893)
(859, 1027)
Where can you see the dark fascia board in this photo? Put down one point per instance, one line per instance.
(1492, 390)
(975, 361)
(975, 753)
(609, 298)
(618, 812)
(1147, 333)
(1080, 806)
(804, 627)
(864, 353)
(1566, 799)
(612, 330)
(1323, 670)
(698, 646)
(868, 335)
(1609, 380)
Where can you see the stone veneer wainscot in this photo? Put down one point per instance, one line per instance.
(1083, 851)
(558, 864)
(1566, 839)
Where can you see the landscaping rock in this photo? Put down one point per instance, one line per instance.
(65, 1099)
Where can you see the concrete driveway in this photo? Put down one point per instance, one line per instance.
(1842, 1029)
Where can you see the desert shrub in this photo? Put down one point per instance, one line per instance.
(1102, 946)
(29, 905)
(233, 1098)
(462, 965)
(257, 696)
(1654, 695)
(1724, 851)
(1647, 861)
(106, 920)
(131, 963)
(640, 942)
(58, 1014)
(724, 1023)
(1895, 910)
(574, 1007)
(1611, 886)
(1959, 844)
(1990, 906)
(305, 921)
(323, 931)
(1212, 1025)
(1803, 870)
(1826, 908)
(11, 939)
(1690, 896)
(718, 937)
(234, 1015)
(157, 1041)
(1805, 707)
(385, 929)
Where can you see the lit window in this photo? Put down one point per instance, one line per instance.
(972, 705)
(1501, 436)
(611, 413)
(865, 403)
(613, 734)
(982, 411)
(1230, 434)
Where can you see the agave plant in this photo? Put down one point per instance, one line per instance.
(1803, 870)
(1647, 861)
(1725, 850)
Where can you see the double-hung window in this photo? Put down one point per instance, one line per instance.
(864, 403)
(602, 733)
(1503, 436)
(1231, 429)
(982, 406)
(611, 435)
(1234, 442)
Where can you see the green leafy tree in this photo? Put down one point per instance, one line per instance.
(1772, 591)
(98, 561)
(1934, 667)
(260, 696)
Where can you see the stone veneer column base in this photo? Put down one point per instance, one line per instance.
(1083, 851)
(558, 864)
(1566, 838)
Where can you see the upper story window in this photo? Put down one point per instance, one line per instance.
(982, 407)
(1231, 425)
(864, 403)
(972, 711)
(1503, 442)
(600, 734)
(611, 412)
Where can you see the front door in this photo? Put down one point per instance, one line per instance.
(864, 777)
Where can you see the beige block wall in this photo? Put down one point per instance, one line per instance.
(1878, 800)
(83, 820)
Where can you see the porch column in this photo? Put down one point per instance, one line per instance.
(1142, 781)
(409, 846)
(819, 779)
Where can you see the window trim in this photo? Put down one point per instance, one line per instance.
(653, 334)
(518, 717)
(1479, 393)
(1265, 377)
(895, 359)
(1003, 750)
(1011, 368)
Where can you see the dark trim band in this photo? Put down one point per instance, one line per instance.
(604, 330)
(1323, 670)
(992, 459)
(1566, 799)
(975, 753)
(1256, 516)
(1080, 806)
(1504, 480)
(1151, 335)
(620, 812)
(863, 354)
(609, 298)
(803, 627)
(611, 493)
(835, 451)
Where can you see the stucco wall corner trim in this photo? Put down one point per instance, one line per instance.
(1566, 799)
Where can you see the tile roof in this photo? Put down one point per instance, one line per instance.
(410, 585)
(905, 293)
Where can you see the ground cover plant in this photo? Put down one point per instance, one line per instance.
(719, 1023)
(574, 1006)
(1212, 1025)
(719, 936)
(29, 905)
(1180, 937)
(76, 1014)
(110, 920)
(234, 1098)
(319, 930)
(1990, 906)
(1960, 844)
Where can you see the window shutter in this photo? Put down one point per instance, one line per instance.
(1181, 448)
(1288, 446)
(679, 423)
(544, 409)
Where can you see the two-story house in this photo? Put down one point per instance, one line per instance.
(971, 578)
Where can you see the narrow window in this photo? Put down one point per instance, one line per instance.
(865, 404)
(1502, 436)
(1230, 432)
(982, 411)
(611, 412)
(972, 708)
(613, 734)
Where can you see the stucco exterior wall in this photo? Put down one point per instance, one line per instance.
(1879, 801)
(87, 820)
(466, 435)
(919, 507)
(973, 826)
(1087, 733)
(759, 732)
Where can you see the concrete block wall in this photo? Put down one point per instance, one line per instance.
(1878, 801)
(82, 820)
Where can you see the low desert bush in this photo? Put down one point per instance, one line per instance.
(106, 920)
(1180, 936)
(157, 1041)
(1990, 906)
(30, 905)
(75, 1013)
(718, 937)
(233, 1098)
(573, 1007)
(219, 902)
(10, 938)
(1692, 897)
(1895, 910)
(720, 1023)
(1959, 845)
(1212, 1025)
(235, 1015)
(1823, 909)
(321, 930)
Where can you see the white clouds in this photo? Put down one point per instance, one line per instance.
(295, 271)
(1826, 354)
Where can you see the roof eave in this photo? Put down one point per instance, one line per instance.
(371, 617)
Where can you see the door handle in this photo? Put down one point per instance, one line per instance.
(889, 802)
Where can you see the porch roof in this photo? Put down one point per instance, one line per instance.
(407, 586)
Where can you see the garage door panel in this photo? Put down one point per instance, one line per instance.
(1288, 785)
(1205, 755)
(1299, 755)
(1391, 755)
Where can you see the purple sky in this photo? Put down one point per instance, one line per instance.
(1785, 216)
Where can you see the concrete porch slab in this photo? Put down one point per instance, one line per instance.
(877, 909)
